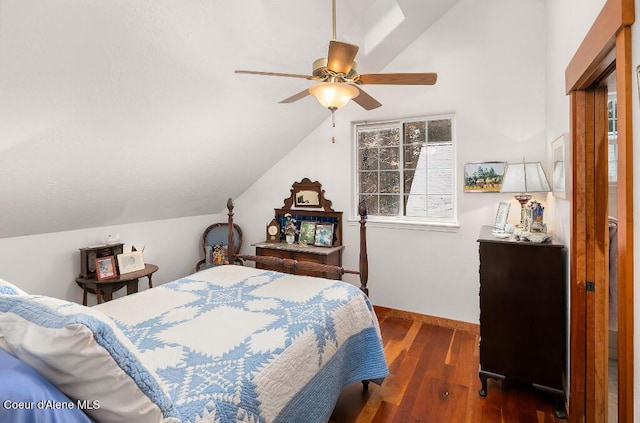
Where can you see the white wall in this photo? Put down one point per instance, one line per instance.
(48, 264)
(489, 57)
(567, 23)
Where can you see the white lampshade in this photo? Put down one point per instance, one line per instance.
(333, 95)
(525, 177)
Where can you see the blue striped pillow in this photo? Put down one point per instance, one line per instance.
(81, 351)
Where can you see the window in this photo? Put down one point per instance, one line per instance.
(405, 169)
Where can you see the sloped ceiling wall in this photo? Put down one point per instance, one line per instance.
(126, 111)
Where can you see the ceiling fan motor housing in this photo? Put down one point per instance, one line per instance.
(320, 71)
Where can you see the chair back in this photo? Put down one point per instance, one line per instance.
(218, 234)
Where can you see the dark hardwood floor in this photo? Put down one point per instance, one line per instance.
(433, 377)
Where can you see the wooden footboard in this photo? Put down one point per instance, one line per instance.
(363, 270)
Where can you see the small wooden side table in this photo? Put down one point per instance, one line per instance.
(104, 289)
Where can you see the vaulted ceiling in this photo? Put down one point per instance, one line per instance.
(123, 111)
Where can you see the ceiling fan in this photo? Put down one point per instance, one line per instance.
(339, 80)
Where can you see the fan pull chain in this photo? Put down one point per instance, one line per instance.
(333, 124)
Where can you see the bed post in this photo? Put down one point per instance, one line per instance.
(364, 261)
(230, 246)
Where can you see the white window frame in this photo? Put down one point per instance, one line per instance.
(404, 222)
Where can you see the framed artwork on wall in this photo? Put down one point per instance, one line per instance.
(559, 166)
(483, 176)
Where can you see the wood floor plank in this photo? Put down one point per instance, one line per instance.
(433, 377)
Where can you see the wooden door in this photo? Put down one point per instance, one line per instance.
(607, 47)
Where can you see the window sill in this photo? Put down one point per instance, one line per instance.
(408, 224)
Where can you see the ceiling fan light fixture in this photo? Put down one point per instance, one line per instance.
(333, 95)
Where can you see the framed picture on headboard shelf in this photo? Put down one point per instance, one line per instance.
(307, 232)
(307, 194)
(307, 203)
(324, 235)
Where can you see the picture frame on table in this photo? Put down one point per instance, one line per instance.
(483, 176)
(307, 232)
(324, 235)
(130, 262)
(501, 216)
(106, 268)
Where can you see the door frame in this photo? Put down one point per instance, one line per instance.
(606, 45)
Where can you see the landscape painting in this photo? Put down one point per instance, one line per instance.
(483, 176)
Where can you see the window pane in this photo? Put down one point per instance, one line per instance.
(408, 180)
(440, 181)
(368, 182)
(368, 159)
(411, 155)
(415, 205)
(371, 201)
(368, 138)
(440, 130)
(440, 206)
(414, 132)
(389, 205)
(389, 182)
(389, 158)
(389, 136)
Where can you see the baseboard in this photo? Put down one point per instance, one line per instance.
(425, 318)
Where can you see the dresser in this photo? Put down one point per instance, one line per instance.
(523, 314)
(321, 255)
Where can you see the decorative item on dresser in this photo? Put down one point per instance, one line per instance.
(309, 260)
(309, 214)
(522, 314)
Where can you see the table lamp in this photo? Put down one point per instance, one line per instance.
(523, 179)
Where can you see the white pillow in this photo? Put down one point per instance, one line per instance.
(8, 288)
(83, 353)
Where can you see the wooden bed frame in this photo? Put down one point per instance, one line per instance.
(363, 268)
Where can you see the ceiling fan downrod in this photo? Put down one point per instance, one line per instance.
(333, 17)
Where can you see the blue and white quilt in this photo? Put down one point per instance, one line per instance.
(234, 343)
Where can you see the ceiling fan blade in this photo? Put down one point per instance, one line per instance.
(341, 55)
(288, 75)
(365, 100)
(399, 78)
(296, 97)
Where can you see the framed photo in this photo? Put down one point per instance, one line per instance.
(324, 235)
(307, 232)
(130, 262)
(307, 198)
(559, 159)
(306, 193)
(483, 176)
(501, 216)
(106, 268)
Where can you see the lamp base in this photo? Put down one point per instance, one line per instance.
(523, 199)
